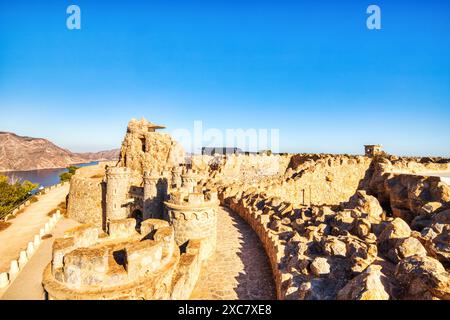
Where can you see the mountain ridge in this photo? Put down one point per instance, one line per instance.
(23, 153)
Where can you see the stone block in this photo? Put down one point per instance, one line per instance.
(188, 272)
(4, 281)
(22, 259)
(61, 247)
(86, 266)
(84, 236)
(150, 225)
(30, 249)
(166, 236)
(36, 241)
(13, 268)
(196, 198)
(122, 228)
(143, 257)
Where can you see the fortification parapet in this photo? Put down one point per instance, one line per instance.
(193, 215)
(189, 180)
(123, 264)
(176, 177)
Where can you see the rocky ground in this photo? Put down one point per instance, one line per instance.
(359, 249)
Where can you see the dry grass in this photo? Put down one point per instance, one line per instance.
(4, 225)
(62, 209)
(51, 212)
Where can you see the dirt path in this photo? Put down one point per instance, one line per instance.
(28, 283)
(240, 268)
(27, 224)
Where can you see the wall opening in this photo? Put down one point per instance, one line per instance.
(144, 149)
(137, 214)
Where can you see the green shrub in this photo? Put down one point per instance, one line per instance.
(12, 194)
(65, 176)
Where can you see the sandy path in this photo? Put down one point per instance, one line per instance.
(27, 224)
(27, 285)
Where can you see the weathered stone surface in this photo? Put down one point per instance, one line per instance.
(430, 208)
(143, 149)
(406, 248)
(366, 286)
(442, 217)
(423, 275)
(85, 267)
(122, 228)
(143, 257)
(364, 203)
(334, 247)
(124, 265)
(319, 266)
(319, 218)
(395, 230)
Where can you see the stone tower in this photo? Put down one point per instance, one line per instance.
(193, 216)
(145, 149)
(372, 150)
(155, 192)
(118, 181)
(176, 177)
(189, 180)
(193, 213)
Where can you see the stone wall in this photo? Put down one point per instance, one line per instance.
(323, 180)
(327, 181)
(85, 203)
(240, 167)
(123, 264)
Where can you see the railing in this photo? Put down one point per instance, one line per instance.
(25, 203)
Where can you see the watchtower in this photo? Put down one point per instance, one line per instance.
(372, 150)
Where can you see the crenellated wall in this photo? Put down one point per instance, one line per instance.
(194, 216)
(123, 264)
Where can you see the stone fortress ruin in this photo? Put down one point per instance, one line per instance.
(137, 213)
(332, 226)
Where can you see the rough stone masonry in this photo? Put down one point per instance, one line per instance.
(332, 226)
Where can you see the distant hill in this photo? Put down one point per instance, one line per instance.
(27, 153)
(101, 155)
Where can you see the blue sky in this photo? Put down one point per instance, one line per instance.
(308, 68)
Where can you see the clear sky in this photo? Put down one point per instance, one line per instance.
(311, 69)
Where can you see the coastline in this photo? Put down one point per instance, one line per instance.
(54, 168)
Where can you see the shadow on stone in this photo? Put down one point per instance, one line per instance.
(256, 281)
